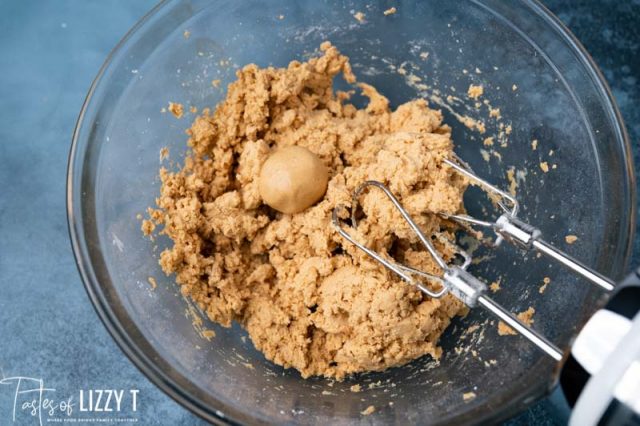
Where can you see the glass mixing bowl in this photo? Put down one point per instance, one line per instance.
(559, 98)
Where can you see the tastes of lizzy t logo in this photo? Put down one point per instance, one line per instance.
(31, 402)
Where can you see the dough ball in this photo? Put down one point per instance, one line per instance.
(292, 179)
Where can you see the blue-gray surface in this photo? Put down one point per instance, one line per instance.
(49, 53)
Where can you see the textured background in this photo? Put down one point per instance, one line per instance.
(49, 53)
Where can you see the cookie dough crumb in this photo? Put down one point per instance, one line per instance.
(424, 55)
(390, 11)
(472, 328)
(474, 91)
(468, 396)
(508, 129)
(534, 144)
(495, 286)
(164, 153)
(513, 182)
(526, 317)
(176, 109)
(488, 141)
(570, 239)
(245, 364)
(281, 17)
(147, 227)
(477, 70)
(369, 410)
(472, 124)
(375, 384)
(153, 282)
(359, 16)
(193, 109)
(355, 388)
(186, 34)
(514, 87)
(139, 216)
(505, 330)
(544, 166)
(325, 392)
(545, 283)
(495, 113)
(210, 334)
(216, 83)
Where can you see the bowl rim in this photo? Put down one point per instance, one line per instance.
(231, 415)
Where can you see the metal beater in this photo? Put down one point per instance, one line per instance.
(508, 227)
(455, 278)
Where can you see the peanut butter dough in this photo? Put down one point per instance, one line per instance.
(309, 299)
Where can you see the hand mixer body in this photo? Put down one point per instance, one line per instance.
(601, 377)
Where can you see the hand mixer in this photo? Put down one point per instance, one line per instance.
(589, 349)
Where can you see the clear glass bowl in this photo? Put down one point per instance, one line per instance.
(561, 100)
